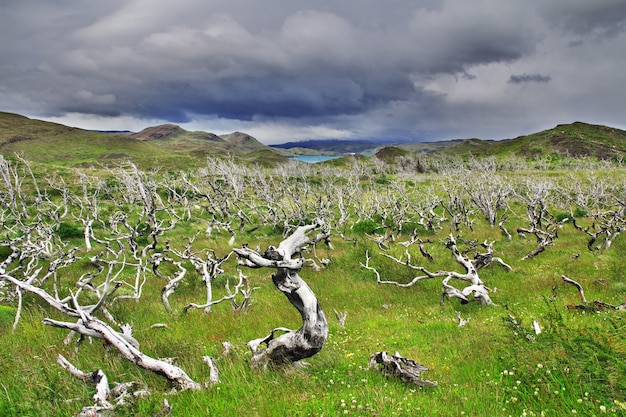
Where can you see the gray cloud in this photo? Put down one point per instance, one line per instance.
(596, 18)
(529, 78)
(404, 69)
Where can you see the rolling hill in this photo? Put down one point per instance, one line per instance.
(165, 145)
(575, 140)
(170, 145)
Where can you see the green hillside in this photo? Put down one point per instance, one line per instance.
(576, 140)
(165, 146)
(171, 146)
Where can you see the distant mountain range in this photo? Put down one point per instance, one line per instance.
(331, 146)
(576, 140)
(342, 146)
(171, 146)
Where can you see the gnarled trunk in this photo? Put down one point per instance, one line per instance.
(305, 342)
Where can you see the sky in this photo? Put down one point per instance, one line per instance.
(290, 70)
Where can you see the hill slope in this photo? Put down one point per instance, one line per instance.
(165, 145)
(172, 146)
(576, 140)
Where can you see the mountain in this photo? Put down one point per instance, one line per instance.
(329, 146)
(576, 139)
(173, 133)
(242, 142)
(342, 146)
(170, 145)
(165, 145)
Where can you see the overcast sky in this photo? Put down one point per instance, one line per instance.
(285, 70)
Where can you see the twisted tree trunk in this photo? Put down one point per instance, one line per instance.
(305, 342)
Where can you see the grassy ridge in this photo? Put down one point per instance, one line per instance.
(575, 140)
(170, 146)
(56, 144)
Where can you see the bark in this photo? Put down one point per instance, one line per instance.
(98, 378)
(407, 370)
(596, 305)
(293, 345)
(477, 289)
(123, 342)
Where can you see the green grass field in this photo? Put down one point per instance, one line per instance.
(495, 365)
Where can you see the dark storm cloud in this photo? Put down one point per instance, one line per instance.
(529, 78)
(358, 66)
(588, 18)
(316, 63)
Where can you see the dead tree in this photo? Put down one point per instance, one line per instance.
(292, 345)
(105, 398)
(488, 192)
(584, 305)
(476, 291)
(407, 370)
(456, 206)
(172, 283)
(542, 223)
(30, 219)
(209, 267)
(605, 205)
(12, 180)
(90, 326)
(604, 229)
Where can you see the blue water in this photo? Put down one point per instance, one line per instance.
(314, 158)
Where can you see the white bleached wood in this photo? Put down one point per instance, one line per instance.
(407, 370)
(293, 345)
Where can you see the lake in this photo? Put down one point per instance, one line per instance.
(314, 158)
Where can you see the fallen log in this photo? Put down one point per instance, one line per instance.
(407, 370)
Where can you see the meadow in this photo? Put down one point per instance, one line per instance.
(569, 211)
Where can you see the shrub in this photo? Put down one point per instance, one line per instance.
(69, 231)
(365, 227)
(562, 216)
(383, 180)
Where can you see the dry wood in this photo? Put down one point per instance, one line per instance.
(407, 370)
(476, 289)
(596, 305)
(293, 345)
(91, 326)
(341, 317)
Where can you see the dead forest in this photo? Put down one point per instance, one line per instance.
(78, 244)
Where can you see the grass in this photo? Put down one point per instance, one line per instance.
(491, 366)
